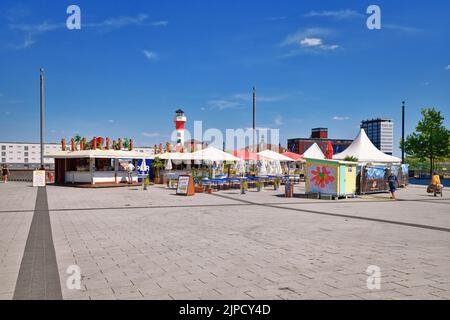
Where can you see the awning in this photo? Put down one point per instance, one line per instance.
(108, 154)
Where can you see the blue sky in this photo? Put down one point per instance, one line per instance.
(133, 63)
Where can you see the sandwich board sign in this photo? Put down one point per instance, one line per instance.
(185, 185)
(39, 178)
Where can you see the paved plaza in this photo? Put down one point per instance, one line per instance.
(135, 244)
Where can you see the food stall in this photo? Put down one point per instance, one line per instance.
(330, 177)
(94, 167)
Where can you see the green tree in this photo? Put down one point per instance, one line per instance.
(157, 164)
(431, 139)
(351, 159)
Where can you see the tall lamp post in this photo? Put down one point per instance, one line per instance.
(254, 120)
(42, 117)
(403, 131)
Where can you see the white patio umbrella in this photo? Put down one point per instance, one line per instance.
(241, 167)
(278, 169)
(168, 165)
(213, 154)
(262, 168)
(275, 156)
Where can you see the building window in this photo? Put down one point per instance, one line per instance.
(3, 147)
(25, 148)
(3, 154)
(3, 160)
(26, 160)
(25, 154)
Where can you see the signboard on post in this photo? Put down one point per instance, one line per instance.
(39, 178)
(185, 185)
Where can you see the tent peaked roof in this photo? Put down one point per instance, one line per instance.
(274, 155)
(213, 154)
(364, 150)
(294, 156)
(314, 152)
(247, 155)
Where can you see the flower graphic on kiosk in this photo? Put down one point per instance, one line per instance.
(321, 178)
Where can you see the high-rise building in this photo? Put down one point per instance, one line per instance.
(381, 132)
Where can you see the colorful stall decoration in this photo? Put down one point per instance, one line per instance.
(330, 177)
(372, 179)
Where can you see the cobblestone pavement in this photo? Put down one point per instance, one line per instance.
(134, 244)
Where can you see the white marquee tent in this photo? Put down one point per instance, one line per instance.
(213, 154)
(274, 155)
(364, 150)
(314, 152)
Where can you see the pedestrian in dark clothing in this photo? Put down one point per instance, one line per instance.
(5, 173)
(393, 184)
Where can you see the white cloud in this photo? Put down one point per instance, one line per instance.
(222, 104)
(248, 97)
(339, 118)
(447, 67)
(311, 42)
(31, 32)
(150, 134)
(338, 14)
(111, 121)
(278, 121)
(308, 40)
(297, 37)
(403, 29)
(161, 23)
(150, 55)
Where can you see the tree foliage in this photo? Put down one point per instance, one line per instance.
(431, 139)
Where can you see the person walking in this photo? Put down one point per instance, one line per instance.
(130, 170)
(436, 183)
(5, 173)
(393, 184)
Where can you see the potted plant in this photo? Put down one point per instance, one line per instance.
(244, 187)
(157, 164)
(276, 183)
(199, 188)
(258, 185)
(146, 183)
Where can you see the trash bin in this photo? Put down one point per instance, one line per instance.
(288, 189)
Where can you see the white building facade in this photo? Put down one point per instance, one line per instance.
(381, 133)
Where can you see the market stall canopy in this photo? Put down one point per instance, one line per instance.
(314, 152)
(97, 153)
(272, 155)
(364, 150)
(247, 155)
(294, 156)
(213, 154)
(179, 156)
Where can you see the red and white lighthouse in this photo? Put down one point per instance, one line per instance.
(180, 120)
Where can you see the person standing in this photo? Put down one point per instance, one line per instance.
(5, 173)
(436, 183)
(130, 172)
(393, 184)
